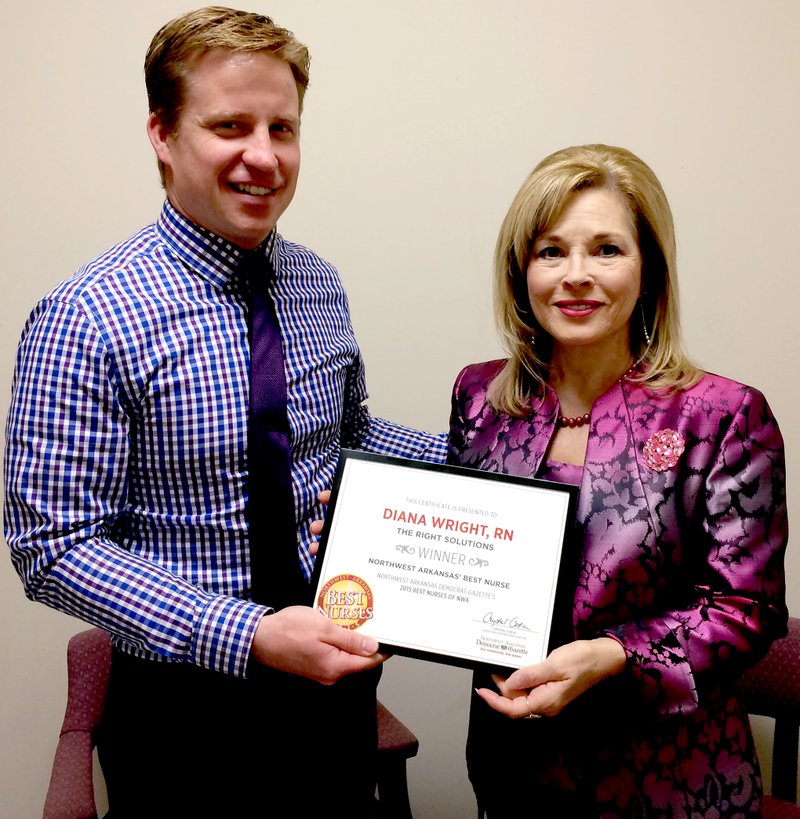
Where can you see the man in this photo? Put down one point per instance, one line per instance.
(137, 497)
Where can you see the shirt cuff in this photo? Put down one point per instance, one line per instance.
(224, 634)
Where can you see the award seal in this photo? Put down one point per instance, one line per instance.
(346, 599)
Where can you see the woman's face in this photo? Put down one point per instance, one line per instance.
(585, 275)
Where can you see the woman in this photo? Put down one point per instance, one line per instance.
(676, 580)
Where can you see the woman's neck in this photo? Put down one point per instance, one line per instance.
(580, 378)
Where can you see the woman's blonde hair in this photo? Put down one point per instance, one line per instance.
(538, 204)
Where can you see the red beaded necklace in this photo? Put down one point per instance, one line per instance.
(578, 421)
(581, 420)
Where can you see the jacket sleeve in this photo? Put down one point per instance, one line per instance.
(735, 606)
(456, 440)
(474, 423)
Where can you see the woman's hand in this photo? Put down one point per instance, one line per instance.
(546, 688)
(316, 525)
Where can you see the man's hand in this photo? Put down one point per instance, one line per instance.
(300, 640)
(316, 525)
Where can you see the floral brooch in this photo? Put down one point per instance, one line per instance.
(663, 449)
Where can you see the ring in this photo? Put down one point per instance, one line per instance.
(531, 715)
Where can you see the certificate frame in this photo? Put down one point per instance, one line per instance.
(422, 557)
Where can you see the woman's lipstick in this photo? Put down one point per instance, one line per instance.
(578, 308)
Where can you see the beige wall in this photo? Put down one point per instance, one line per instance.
(421, 121)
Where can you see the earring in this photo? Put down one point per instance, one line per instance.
(644, 323)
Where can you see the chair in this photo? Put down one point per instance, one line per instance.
(772, 689)
(396, 744)
(71, 791)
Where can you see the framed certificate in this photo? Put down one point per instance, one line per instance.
(443, 563)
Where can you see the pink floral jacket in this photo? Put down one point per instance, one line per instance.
(681, 532)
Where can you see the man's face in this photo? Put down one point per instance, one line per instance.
(232, 161)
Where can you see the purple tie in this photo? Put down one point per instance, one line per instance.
(276, 577)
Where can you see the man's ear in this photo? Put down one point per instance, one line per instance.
(158, 134)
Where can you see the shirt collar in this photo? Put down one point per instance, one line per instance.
(211, 256)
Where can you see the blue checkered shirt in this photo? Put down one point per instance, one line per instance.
(126, 456)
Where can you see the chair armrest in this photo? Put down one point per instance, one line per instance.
(70, 794)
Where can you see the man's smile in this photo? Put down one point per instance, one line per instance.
(252, 190)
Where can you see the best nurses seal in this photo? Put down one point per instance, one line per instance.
(346, 599)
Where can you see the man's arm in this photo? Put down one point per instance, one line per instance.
(66, 473)
(362, 431)
(67, 457)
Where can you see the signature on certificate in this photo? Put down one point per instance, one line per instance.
(510, 622)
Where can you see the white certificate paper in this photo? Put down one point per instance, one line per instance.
(443, 563)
